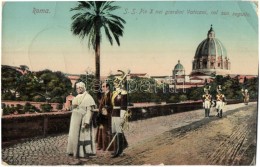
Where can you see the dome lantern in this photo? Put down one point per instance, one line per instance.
(211, 33)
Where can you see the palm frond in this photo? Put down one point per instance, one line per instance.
(108, 7)
(116, 30)
(116, 22)
(82, 6)
(111, 8)
(117, 18)
(108, 34)
(76, 15)
(81, 26)
(91, 38)
(116, 27)
(98, 6)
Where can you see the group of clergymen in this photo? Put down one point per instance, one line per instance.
(220, 100)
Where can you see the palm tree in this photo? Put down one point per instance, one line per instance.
(91, 18)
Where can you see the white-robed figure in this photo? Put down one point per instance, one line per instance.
(220, 101)
(81, 141)
(245, 96)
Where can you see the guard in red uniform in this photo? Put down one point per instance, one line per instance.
(207, 101)
(220, 101)
(119, 103)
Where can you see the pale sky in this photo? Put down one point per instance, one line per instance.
(152, 42)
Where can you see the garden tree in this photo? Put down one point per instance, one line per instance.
(10, 81)
(144, 90)
(236, 87)
(227, 89)
(252, 86)
(219, 80)
(63, 89)
(33, 86)
(164, 93)
(26, 87)
(195, 93)
(24, 68)
(53, 86)
(25, 83)
(17, 84)
(90, 19)
(230, 87)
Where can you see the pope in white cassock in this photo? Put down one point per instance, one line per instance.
(81, 141)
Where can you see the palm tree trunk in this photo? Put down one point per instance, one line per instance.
(97, 59)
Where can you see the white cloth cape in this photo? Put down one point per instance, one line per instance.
(81, 140)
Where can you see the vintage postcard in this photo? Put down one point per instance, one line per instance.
(129, 82)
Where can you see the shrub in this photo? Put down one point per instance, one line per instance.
(3, 105)
(27, 107)
(24, 98)
(12, 109)
(38, 98)
(183, 97)
(174, 99)
(6, 110)
(59, 106)
(34, 109)
(57, 100)
(19, 106)
(46, 107)
(8, 96)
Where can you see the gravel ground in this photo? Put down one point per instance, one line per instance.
(180, 139)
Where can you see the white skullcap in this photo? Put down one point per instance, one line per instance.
(81, 85)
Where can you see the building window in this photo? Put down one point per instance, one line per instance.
(205, 64)
(212, 65)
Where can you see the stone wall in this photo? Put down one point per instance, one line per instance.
(150, 111)
(36, 104)
(15, 127)
(31, 125)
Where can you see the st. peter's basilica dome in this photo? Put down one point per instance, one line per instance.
(211, 57)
